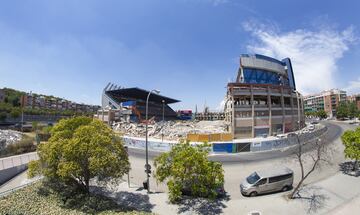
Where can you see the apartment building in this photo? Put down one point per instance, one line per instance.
(327, 100)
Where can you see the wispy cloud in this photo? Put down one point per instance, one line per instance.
(314, 53)
(212, 2)
(218, 2)
(353, 87)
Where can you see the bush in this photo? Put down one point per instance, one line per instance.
(187, 170)
(23, 146)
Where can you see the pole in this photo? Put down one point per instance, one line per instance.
(163, 115)
(146, 140)
(163, 119)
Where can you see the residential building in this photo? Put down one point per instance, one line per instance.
(263, 101)
(327, 100)
(354, 98)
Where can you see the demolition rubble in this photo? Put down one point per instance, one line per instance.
(172, 130)
(9, 137)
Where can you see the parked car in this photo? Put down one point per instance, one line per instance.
(267, 181)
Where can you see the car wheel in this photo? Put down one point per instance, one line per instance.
(252, 194)
(286, 188)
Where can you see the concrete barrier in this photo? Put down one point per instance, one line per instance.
(13, 165)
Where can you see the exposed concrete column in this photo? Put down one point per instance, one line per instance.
(292, 110)
(298, 106)
(270, 115)
(283, 109)
(252, 111)
(233, 115)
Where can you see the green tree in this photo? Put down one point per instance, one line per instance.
(81, 149)
(15, 112)
(351, 140)
(3, 116)
(187, 167)
(321, 114)
(352, 109)
(342, 110)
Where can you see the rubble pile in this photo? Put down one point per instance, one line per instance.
(9, 137)
(172, 130)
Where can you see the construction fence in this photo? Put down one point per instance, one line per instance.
(209, 137)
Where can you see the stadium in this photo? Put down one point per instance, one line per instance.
(263, 101)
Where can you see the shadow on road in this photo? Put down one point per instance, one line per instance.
(348, 169)
(202, 205)
(313, 197)
(128, 200)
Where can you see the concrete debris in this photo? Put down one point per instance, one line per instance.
(9, 137)
(172, 130)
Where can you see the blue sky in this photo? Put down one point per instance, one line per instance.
(189, 49)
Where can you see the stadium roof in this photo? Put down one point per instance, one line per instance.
(135, 93)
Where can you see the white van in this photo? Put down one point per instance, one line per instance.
(266, 181)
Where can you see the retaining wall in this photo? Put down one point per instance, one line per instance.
(11, 166)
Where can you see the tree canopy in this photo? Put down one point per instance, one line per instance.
(351, 141)
(187, 167)
(81, 149)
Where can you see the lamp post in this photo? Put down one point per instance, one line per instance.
(146, 139)
(163, 120)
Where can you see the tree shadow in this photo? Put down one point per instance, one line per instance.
(129, 201)
(98, 200)
(313, 197)
(202, 205)
(348, 169)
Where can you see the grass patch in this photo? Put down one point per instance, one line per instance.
(37, 199)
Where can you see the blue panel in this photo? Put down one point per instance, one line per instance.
(290, 72)
(257, 76)
(128, 103)
(222, 147)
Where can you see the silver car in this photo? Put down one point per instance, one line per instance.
(267, 181)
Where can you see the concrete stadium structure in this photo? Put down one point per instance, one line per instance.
(263, 101)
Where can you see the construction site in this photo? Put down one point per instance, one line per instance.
(262, 102)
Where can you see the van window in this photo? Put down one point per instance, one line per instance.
(261, 182)
(253, 178)
(279, 178)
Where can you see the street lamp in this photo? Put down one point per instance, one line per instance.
(163, 120)
(147, 168)
(163, 106)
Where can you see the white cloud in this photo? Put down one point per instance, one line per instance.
(353, 87)
(218, 2)
(314, 54)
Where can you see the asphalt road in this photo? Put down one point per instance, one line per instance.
(237, 167)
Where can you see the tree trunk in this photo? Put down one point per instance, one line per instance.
(292, 196)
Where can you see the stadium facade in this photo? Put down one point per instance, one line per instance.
(263, 101)
(130, 104)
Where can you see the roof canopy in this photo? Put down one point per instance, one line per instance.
(135, 93)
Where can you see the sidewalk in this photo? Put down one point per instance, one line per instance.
(339, 194)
